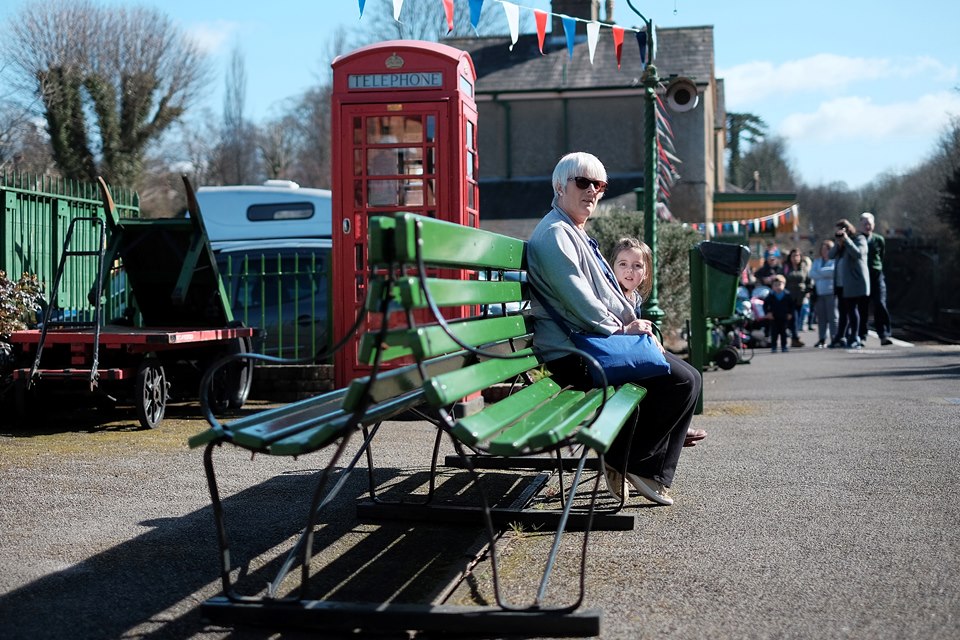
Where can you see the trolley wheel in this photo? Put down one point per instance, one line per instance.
(727, 358)
(231, 384)
(150, 393)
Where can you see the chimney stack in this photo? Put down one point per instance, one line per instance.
(583, 9)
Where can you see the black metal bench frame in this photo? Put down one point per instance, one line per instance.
(334, 417)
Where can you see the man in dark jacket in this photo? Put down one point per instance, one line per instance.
(876, 245)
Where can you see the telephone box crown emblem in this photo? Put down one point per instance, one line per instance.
(394, 61)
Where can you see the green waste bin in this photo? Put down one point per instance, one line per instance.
(715, 269)
(722, 265)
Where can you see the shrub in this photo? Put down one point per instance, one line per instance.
(673, 269)
(20, 303)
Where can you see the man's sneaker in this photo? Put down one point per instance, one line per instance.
(650, 489)
(796, 342)
(886, 342)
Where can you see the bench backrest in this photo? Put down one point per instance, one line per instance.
(494, 289)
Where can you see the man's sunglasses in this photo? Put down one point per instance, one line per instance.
(583, 183)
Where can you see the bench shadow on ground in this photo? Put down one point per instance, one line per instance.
(129, 586)
(83, 415)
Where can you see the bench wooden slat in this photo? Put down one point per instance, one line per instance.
(515, 439)
(448, 244)
(494, 418)
(615, 412)
(321, 435)
(460, 292)
(269, 425)
(445, 389)
(278, 418)
(430, 341)
(401, 380)
(568, 424)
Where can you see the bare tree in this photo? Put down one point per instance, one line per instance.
(238, 148)
(278, 146)
(110, 81)
(768, 159)
(297, 145)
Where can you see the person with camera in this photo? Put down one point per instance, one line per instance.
(851, 283)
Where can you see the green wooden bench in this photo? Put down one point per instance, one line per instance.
(416, 272)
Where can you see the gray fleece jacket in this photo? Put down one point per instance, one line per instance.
(564, 270)
(851, 272)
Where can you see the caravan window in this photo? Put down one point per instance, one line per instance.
(280, 211)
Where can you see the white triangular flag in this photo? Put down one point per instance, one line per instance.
(397, 5)
(593, 34)
(513, 19)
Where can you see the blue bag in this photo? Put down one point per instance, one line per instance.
(624, 358)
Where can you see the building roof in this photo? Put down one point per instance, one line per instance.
(685, 51)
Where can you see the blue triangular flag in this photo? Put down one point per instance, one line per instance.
(362, 2)
(642, 42)
(476, 6)
(570, 30)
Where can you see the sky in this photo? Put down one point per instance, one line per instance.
(857, 88)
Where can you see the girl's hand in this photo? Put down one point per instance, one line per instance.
(638, 327)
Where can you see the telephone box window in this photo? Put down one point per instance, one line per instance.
(394, 129)
(357, 131)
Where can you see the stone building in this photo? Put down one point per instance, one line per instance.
(535, 107)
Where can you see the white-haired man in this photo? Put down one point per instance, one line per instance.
(876, 245)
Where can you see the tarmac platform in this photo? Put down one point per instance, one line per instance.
(823, 504)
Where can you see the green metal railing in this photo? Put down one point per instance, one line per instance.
(36, 213)
(284, 293)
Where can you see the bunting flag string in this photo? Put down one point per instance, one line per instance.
(667, 173)
(593, 37)
(448, 11)
(512, 12)
(540, 17)
(618, 42)
(476, 6)
(646, 41)
(771, 222)
(570, 31)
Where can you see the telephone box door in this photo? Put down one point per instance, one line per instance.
(404, 139)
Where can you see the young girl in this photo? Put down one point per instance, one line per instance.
(632, 263)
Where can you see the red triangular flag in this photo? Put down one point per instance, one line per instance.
(541, 18)
(618, 42)
(448, 9)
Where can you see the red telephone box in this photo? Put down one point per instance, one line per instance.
(404, 139)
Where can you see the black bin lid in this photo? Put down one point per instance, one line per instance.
(724, 257)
